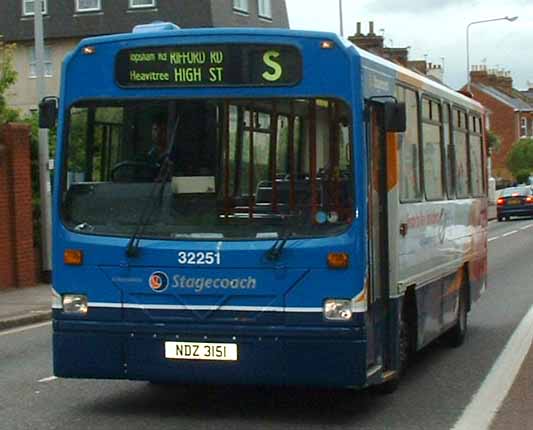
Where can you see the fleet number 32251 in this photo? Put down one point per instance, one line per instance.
(198, 258)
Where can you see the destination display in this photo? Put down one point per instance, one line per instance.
(209, 65)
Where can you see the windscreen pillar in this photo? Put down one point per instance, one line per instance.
(17, 253)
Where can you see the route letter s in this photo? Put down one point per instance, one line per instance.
(276, 71)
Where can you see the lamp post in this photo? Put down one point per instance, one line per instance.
(505, 18)
(341, 18)
(44, 165)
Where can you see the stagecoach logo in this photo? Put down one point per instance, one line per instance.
(158, 281)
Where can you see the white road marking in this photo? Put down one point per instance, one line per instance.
(526, 227)
(28, 327)
(483, 407)
(49, 379)
(493, 238)
(510, 233)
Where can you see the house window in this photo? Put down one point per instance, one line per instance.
(47, 62)
(28, 7)
(265, 8)
(88, 5)
(523, 127)
(241, 6)
(135, 4)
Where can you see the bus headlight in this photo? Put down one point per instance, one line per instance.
(337, 310)
(75, 304)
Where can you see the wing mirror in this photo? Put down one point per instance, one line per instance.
(48, 108)
(395, 117)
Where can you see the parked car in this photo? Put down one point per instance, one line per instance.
(515, 201)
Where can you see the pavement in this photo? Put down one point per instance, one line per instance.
(516, 411)
(22, 306)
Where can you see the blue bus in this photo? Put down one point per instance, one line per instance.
(247, 206)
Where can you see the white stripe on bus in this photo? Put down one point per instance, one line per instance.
(204, 307)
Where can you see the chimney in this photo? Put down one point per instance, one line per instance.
(479, 75)
(435, 71)
(371, 29)
(369, 42)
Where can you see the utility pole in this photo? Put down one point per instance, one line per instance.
(44, 165)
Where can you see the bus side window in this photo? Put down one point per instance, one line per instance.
(410, 189)
(432, 149)
(461, 153)
(476, 158)
(449, 151)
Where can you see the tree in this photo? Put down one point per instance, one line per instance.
(495, 142)
(8, 77)
(520, 159)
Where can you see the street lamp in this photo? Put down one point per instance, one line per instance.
(341, 18)
(505, 18)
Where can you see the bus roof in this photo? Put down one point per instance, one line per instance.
(161, 31)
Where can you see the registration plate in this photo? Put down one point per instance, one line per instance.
(201, 351)
(514, 201)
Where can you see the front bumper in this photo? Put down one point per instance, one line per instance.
(315, 356)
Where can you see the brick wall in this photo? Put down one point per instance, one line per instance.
(17, 255)
(503, 122)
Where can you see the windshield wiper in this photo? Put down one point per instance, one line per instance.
(155, 199)
(274, 253)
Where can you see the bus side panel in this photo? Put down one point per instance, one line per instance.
(477, 267)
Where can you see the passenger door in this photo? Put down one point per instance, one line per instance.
(378, 243)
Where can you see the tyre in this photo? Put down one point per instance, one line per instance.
(405, 353)
(456, 335)
(500, 219)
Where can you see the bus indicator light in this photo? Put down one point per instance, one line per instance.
(73, 257)
(338, 260)
(327, 44)
(89, 50)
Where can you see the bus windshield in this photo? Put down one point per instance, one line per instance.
(209, 169)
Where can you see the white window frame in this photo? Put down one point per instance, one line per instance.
(242, 6)
(264, 8)
(25, 11)
(90, 9)
(132, 5)
(523, 127)
(48, 64)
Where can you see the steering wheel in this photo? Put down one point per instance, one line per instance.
(134, 171)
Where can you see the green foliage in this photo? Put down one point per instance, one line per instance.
(522, 177)
(520, 158)
(8, 77)
(495, 142)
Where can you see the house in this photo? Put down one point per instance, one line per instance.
(511, 112)
(375, 43)
(66, 22)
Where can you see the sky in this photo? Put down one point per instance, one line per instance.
(436, 30)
